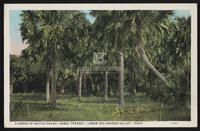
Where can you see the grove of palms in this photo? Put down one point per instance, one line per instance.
(150, 48)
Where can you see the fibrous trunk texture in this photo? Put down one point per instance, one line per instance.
(141, 51)
(53, 86)
(48, 85)
(121, 78)
(80, 85)
(106, 86)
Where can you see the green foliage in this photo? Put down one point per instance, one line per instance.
(24, 76)
(57, 32)
(174, 60)
(70, 108)
(68, 40)
(17, 69)
(19, 110)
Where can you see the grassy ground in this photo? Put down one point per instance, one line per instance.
(34, 107)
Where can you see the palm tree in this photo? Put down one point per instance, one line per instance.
(159, 21)
(52, 34)
(105, 22)
(177, 52)
(121, 25)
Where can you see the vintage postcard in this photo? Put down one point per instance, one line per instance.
(100, 65)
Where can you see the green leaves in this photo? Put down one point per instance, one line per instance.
(69, 37)
(54, 31)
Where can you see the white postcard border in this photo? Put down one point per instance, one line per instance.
(60, 124)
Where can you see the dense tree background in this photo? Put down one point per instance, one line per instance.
(60, 42)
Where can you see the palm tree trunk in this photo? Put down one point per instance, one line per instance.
(106, 86)
(142, 54)
(53, 86)
(98, 86)
(62, 89)
(132, 84)
(48, 85)
(92, 85)
(121, 79)
(149, 65)
(80, 85)
(84, 85)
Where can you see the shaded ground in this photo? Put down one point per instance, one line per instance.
(34, 107)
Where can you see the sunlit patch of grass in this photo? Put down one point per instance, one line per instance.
(70, 108)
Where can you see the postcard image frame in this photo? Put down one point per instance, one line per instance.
(8, 8)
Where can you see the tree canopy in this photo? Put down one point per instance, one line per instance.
(61, 42)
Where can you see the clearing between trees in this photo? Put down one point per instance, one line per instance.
(33, 107)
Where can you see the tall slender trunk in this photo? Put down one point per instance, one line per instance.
(132, 84)
(80, 85)
(106, 86)
(121, 78)
(53, 85)
(62, 88)
(48, 85)
(98, 93)
(92, 85)
(84, 85)
(141, 51)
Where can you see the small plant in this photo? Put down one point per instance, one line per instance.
(19, 110)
